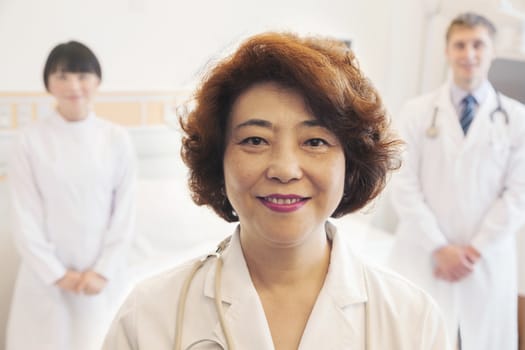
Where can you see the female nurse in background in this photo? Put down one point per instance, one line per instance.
(71, 179)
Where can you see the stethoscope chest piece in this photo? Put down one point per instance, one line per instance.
(432, 132)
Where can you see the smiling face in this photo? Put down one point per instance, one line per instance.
(284, 172)
(469, 52)
(73, 92)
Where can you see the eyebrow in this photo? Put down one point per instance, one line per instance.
(254, 122)
(313, 122)
(266, 124)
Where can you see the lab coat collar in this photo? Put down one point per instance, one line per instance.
(448, 118)
(445, 104)
(345, 284)
(482, 126)
(60, 121)
(240, 300)
(456, 141)
(485, 107)
(346, 275)
(344, 287)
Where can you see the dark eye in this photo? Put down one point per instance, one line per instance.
(316, 142)
(479, 44)
(254, 141)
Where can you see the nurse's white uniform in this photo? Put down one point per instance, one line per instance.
(359, 307)
(470, 190)
(72, 190)
(520, 249)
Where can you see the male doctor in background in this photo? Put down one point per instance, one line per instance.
(460, 194)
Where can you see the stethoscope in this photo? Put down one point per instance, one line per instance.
(433, 131)
(218, 304)
(218, 300)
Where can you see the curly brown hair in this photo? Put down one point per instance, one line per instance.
(325, 73)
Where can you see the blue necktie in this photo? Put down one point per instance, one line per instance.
(467, 113)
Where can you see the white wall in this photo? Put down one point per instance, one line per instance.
(162, 44)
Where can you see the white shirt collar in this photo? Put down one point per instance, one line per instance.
(457, 94)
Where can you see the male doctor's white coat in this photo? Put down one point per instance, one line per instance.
(72, 190)
(358, 307)
(465, 190)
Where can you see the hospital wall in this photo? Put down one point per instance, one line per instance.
(162, 45)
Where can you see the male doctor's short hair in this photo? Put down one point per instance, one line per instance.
(72, 57)
(325, 73)
(471, 20)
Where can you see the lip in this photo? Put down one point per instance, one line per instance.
(468, 65)
(283, 203)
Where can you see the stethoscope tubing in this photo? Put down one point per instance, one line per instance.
(433, 131)
(179, 322)
(218, 303)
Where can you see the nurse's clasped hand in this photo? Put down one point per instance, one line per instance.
(91, 283)
(454, 262)
(87, 282)
(69, 281)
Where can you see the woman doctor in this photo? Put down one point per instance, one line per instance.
(286, 133)
(71, 180)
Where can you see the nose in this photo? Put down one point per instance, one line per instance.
(470, 51)
(73, 83)
(285, 164)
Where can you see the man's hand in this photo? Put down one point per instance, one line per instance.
(472, 254)
(453, 262)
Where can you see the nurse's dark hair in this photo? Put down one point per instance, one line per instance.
(325, 73)
(73, 57)
(471, 20)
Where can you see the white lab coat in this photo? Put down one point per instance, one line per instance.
(520, 250)
(468, 191)
(357, 305)
(72, 193)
